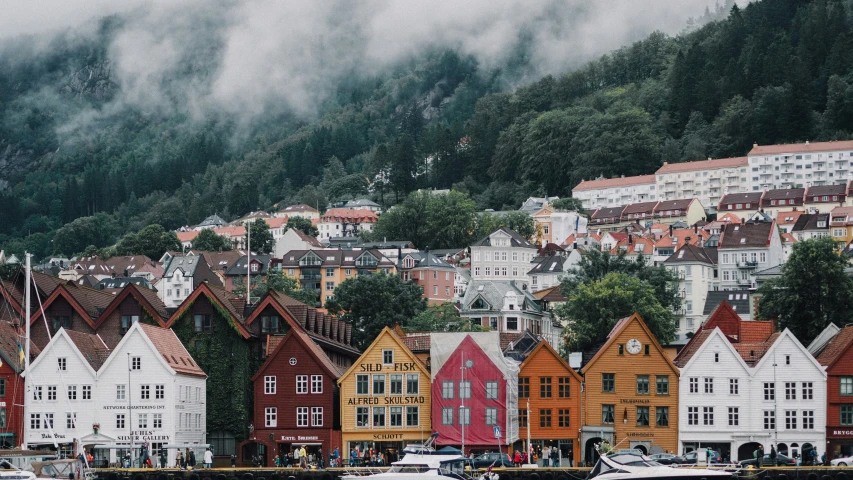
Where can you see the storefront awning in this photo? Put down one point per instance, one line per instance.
(186, 445)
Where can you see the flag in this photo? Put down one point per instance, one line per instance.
(21, 352)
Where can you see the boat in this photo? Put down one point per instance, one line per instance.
(634, 466)
(10, 472)
(421, 461)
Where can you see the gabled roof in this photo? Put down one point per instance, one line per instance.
(185, 263)
(87, 302)
(617, 329)
(821, 190)
(349, 215)
(516, 240)
(795, 194)
(171, 350)
(425, 260)
(128, 263)
(728, 322)
(232, 303)
(553, 294)
(549, 264)
(394, 336)
(738, 300)
(750, 197)
(801, 147)
(11, 343)
(748, 235)
(221, 261)
(788, 217)
(239, 267)
(297, 335)
(639, 208)
(668, 205)
(837, 347)
(316, 323)
(546, 349)
(693, 254)
(608, 212)
(702, 337)
(212, 221)
(809, 221)
(301, 207)
(147, 298)
(93, 349)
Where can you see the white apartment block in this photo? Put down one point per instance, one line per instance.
(502, 256)
(612, 192)
(706, 180)
(733, 397)
(80, 390)
(800, 165)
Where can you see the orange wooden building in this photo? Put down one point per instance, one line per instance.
(630, 397)
(550, 390)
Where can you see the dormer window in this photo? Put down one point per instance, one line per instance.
(254, 268)
(479, 304)
(821, 224)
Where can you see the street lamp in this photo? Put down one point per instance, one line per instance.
(129, 406)
(463, 418)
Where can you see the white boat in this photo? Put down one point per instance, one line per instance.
(631, 466)
(10, 472)
(421, 461)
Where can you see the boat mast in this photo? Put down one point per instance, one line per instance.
(27, 280)
(248, 262)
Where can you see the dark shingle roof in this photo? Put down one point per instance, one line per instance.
(608, 212)
(809, 221)
(750, 197)
(748, 235)
(516, 240)
(549, 264)
(826, 190)
(784, 194)
(644, 207)
(668, 205)
(239, 267)
(94, 350)
(738, 299)
(692, 254)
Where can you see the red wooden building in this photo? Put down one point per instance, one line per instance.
(475, 386)
(837, 357)
(296, 401)
(11, 385)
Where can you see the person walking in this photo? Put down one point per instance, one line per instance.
(759, 456)
(233, 461)
(555, 456)
(191, 459)
(303, 457)
(296, 460)
(208, 458)
(182, 461)
(773, 455)
(517, 459)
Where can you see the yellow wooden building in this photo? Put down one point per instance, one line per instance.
(385, 400)
(630, 397)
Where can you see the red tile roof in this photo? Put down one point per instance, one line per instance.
(614, 182)
(753, 334)
(836, 347)
(94, 350)
(801, 147)
(638, 208)
(702, 165)
(339, 214)
(172, 350)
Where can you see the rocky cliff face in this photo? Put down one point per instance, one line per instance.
(92, 80)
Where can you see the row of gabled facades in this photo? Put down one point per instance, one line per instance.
(105, 370)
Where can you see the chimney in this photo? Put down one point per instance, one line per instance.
(630, 239)
(670, 230)
(696, 227)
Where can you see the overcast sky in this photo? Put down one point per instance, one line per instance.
(291, 54)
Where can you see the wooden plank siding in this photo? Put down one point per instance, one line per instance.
(545, 362)
(626, 368)
(371, 363)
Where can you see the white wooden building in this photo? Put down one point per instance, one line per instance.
(148, 388)
(735, 395)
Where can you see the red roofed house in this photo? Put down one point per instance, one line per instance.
(344, 222)
(833, 350)
(741, 204)
(743, 385)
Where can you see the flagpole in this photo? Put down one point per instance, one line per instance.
(529, 446)
(26, 350)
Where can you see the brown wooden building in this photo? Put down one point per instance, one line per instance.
(296, 401)
(630, 397)
(549, 399)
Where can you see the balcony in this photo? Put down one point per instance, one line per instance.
(747, 265)
(310, 276)
(744, 281)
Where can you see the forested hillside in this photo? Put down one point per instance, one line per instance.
(772, 72)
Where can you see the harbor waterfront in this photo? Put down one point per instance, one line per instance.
(778, 473)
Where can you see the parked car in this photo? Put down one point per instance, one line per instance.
(781, 460)
(666, 458)
(692, 457)
(841, 461)
(488, 459)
